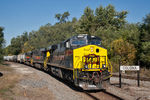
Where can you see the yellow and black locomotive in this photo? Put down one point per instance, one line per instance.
(80, 59)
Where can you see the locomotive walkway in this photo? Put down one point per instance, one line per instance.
(33, 84)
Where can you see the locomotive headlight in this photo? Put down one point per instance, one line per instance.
(86, 66)
(103, 66)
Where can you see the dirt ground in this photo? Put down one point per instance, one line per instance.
(21, 82)
(16, 84)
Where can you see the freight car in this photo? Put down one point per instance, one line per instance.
(80, 59)
(10, 58)
(21, 58)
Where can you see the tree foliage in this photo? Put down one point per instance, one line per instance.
(104, 18)
(144, 44)
(1, 42)
(86, 22)
(124, 51)
(62, 18)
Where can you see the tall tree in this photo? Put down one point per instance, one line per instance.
(86, 22)
(58, 16)
(1, 42)
(104, 17)
(62, 18)
(144, 45)
(109, 17)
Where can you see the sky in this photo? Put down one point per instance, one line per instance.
(18, 16)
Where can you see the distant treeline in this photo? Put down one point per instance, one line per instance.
(125, 41)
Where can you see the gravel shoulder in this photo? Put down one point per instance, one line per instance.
(130, 90)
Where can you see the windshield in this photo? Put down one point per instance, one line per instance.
(82, 40)
(79, 42)
(95, 42)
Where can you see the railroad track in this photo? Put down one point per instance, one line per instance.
(131, 77)
(102, 95)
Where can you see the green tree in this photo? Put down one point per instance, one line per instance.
(1, 42)
(74, 19)
(17, 44)
(144, 44)
(62, 18)
(58, 16)
(86, 22)
(103, 18)
(109, 17)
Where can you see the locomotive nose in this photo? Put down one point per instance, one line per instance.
(90, 56)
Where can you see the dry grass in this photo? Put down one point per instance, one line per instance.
(7, 82)
(145, 72)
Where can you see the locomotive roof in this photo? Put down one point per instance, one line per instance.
(83, 36)
(29, 52)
